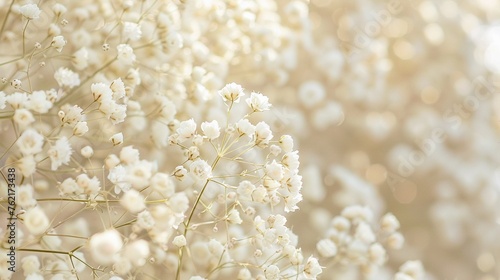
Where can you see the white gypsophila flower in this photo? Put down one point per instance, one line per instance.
(131, 31)
(139, 173)
(365, 233)
(118, 88)
(272, 272)
(30, 264)
(180, 172)
(395, 241)
(245, 127)
(30, 142)
(80, 129)
(25, 196)
(3, 99)
(27, 165)
(101, 92)
(174, 41)
(87, 185)
(145, 220)
(186, 129)
(415, 269)
(104, 246)
(129, 155)
(133, 201)
(38, 102)
(58, 42)
(274, 170)
(60, 153)
(71, 115)
(81, 59)
(326, 248)
(200, 170)
(23, 118)
(66, 77)
(30, 11)
(389, 223)
(377, 254)
(137, 252)
(179, 241)
(312, 268)
(286, 143)
(36, 221)
(87, 152)
(211, 129)
(117, 175)
(163, 184)
(125, 53)
(116, 139)
(311, 93)
(17, 99)
(59, 9)
(69, 186)
(263, 133)
(179, 202)
(258, 102)
(233, 217)
(231, 92)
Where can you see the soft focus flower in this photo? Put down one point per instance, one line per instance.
(30, 11)
(60, 153)
(104, 246)
(258, 102)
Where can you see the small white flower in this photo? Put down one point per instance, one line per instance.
(200, 170)
(38, 102)
(58, 42)
(389, 223)
(186, 129)
(125, 53)
(286, 143)
(66, 77)
(80, 128)
(118, 88)
(263, 133)
(101, 92)
(311, 93)
(245, 127)
(25, 196)
(131, 31)
(211, 129)
(104, 246)
(80, 59)
(274, 170)
(232, 92)
(30, 264)
(179, 241)
(117, 139)
(89, 186)
(36, 221)
(312, 268)
(258, 102)
(30, 142)
(60, 153)
(326, 248)
(233, 217)
(30, 11)
(17, 99)
(27, 165)
(137, 252)
(272, 272)
(23, 118)
(174, 41)
(133, 201)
